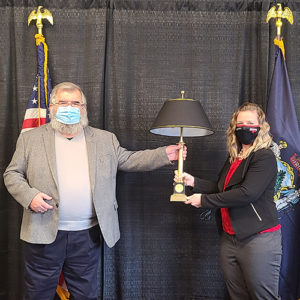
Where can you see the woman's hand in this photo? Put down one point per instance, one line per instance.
(187, 178)
(194, 200)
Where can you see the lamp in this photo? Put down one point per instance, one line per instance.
(184, 118)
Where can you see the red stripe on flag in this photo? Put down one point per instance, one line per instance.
(31, 123)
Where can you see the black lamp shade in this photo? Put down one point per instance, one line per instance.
(187, 114)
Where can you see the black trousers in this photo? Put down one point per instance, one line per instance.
(76, 253)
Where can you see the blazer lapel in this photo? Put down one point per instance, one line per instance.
(222, 175)
(91, 150)
(49, 142)
(237, 175)
(240, 172)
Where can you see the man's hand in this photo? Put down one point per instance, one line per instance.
(187, 178)
(38, 203)
(194, 200)
(173, 152)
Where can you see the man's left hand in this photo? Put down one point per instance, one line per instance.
(173, 152)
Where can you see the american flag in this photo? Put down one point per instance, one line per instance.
(37, 108)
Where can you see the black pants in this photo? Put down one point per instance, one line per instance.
(76, 253)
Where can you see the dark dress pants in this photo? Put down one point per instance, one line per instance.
(76, 253)
(251, 267)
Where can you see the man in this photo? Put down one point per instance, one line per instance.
(64, 175)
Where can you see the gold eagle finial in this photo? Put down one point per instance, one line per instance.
(280, 14)
(39, 15)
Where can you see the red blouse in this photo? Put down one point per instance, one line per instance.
(226, 223)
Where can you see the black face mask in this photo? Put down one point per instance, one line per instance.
(246, 134)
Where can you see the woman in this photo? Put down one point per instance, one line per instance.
(246, 216)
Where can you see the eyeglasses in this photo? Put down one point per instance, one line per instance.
(67, 103)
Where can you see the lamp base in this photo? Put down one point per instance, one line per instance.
(178, 193)
(178, 198)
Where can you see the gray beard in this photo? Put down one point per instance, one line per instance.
(69, 129)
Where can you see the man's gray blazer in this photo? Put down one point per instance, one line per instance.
(33, 170)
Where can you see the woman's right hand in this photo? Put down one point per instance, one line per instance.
(187, 178)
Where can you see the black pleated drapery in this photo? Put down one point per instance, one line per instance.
(129, 57)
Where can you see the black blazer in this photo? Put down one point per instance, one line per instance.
(248, 195)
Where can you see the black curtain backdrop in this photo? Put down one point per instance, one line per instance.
(129, 57)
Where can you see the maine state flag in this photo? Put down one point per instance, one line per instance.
(282, 118)
(37, 108)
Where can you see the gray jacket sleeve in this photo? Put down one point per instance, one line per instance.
(15, 176)
(145, 160)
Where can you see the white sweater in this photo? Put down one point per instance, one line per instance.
(76, 209)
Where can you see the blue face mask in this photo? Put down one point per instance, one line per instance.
(68, 115)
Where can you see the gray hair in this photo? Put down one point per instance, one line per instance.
(69, 86)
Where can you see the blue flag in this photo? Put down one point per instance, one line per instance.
(37, 108)
(282, 118)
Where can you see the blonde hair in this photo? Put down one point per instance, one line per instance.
(263, 139)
